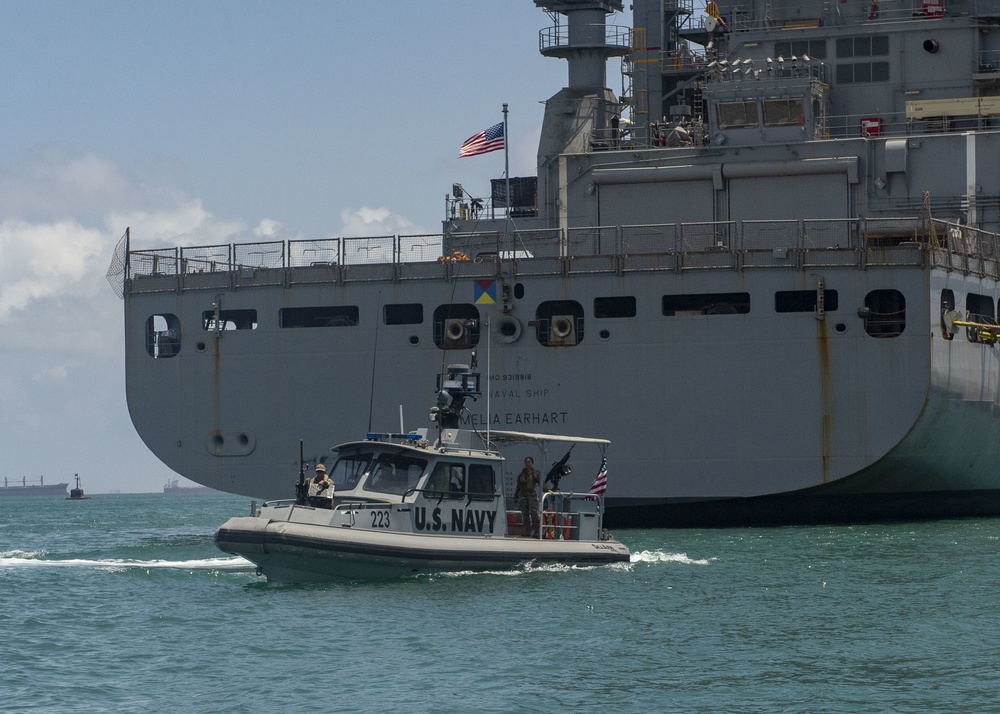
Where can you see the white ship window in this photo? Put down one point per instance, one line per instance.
(886, 313)
(736, 114)
(395, 473)
(163, 335)
(980, 309)
(229, 320)
(325, 316)
(947, 305)
(783, 112)
(803, 301)
(614, 306)
(706, 304)
(403, 314)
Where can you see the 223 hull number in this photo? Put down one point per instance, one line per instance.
(380, 519)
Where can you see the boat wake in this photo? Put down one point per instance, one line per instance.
(658, 556)
(40, 559)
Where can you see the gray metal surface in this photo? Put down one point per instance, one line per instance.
(840, 176)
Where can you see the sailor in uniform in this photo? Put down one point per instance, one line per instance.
(320, 489)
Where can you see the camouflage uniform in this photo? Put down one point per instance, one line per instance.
(527, 497)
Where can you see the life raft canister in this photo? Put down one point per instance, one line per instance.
(548, 524)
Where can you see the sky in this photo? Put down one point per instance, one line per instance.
(217, 121)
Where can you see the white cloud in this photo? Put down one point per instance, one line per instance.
(365, 221)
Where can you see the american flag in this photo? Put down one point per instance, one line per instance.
(600, 484)
(484, 142)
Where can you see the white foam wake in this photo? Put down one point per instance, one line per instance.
(23, 559)
(658, 556)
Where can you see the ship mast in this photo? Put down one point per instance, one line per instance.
(585, 110)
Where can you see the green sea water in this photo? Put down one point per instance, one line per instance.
(123, 604)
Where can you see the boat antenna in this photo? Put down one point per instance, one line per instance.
(300, 489)
(506, 168)
(371, 392)
(488, 352)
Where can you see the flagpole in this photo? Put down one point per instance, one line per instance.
(506, 160)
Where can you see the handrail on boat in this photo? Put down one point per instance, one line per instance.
(565, 518)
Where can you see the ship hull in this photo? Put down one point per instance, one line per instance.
(753, 299)
(56, 489)
(714, 418)
(300, 552)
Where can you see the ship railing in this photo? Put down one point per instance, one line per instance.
(744, 18)
(680, 246)
(557, 37)
(566, 515)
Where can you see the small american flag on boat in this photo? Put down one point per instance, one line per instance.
(600, 484)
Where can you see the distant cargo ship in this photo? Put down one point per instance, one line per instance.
(172, 487)
(26, 488)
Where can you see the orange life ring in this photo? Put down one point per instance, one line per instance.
(567, 526)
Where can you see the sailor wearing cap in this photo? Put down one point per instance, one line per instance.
(320, 489)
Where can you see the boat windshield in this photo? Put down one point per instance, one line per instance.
(348, 470)
(395, 473)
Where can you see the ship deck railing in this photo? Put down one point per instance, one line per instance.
(744, 18)
(873, 125)
(801, 244)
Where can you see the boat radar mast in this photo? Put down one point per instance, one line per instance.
(455, 385)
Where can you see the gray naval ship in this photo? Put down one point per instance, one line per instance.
(767, 271)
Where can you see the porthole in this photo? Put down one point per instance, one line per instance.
(414, 340)
(200, 346)
(840, 328)
(507, 329)
(605, 334)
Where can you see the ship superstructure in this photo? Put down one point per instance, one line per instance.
(770, 261)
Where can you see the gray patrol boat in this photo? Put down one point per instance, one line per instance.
(767, 270)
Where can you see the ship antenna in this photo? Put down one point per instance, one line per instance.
(371, 392)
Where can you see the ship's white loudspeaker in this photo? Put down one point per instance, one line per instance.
(562, 330)
(454, 332)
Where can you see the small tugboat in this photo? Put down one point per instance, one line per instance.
(76, 494)
(406, 505)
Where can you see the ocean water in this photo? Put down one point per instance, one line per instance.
(123, 604)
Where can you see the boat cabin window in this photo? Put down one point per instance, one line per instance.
(456, 326)
(395, 473)
(813, 48)
(327, 316)
(706, 304)
(481, 481)
(614, 306)
(783, 112)
(348, 470)
(559, 323)
(732, 115)
(980, 309)
(947, 305)
(163, 335)
(229, 320)
(886, 313)
(411, 313)
(803, 301)
(446, 481)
